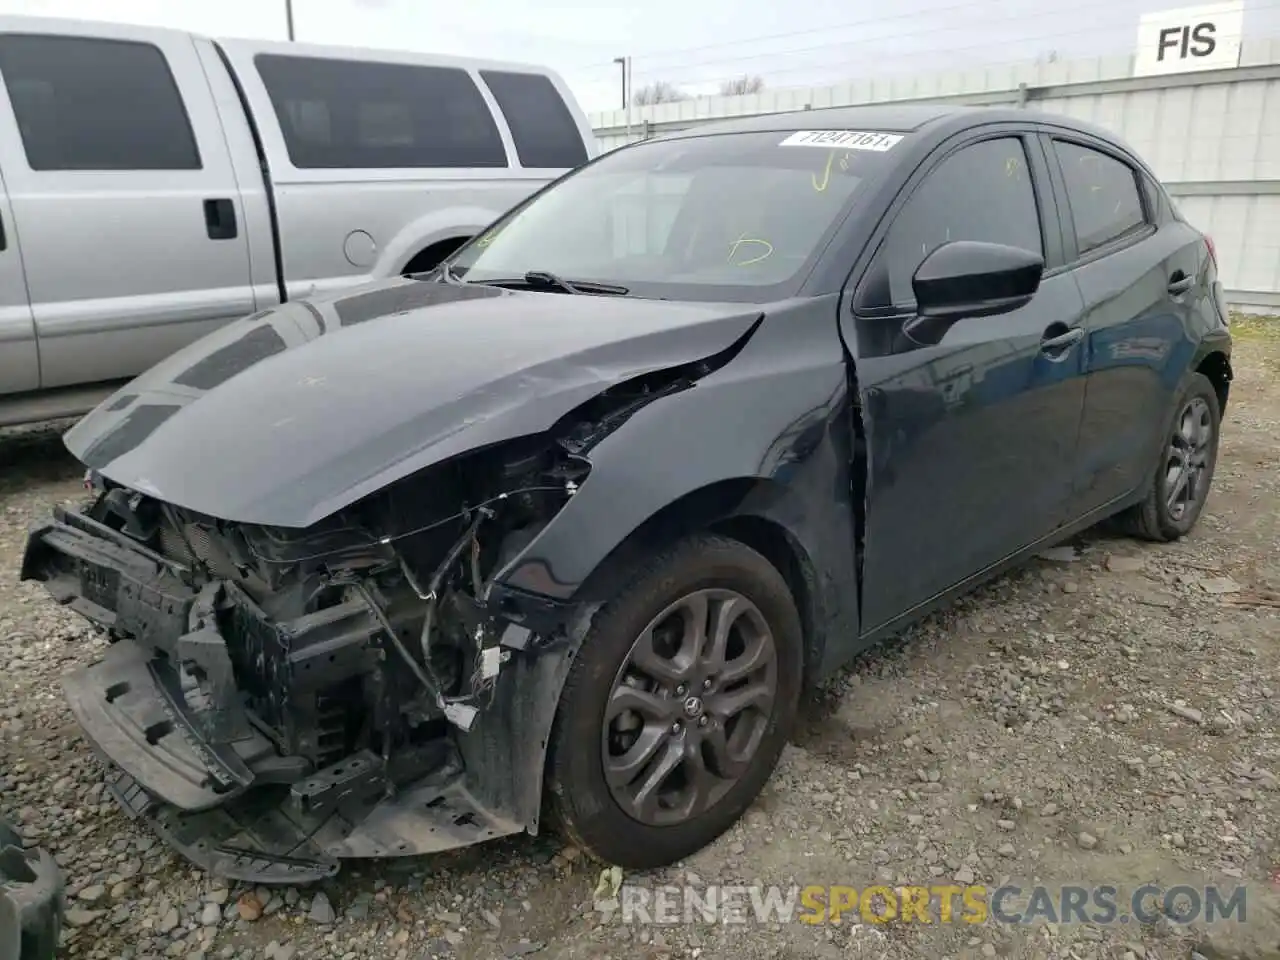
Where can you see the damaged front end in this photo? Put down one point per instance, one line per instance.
(276, 700)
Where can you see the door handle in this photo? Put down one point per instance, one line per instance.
(220, 219)
(4, 244)
(1179, 283)
(1057, 343)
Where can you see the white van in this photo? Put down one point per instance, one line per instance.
(155, 184)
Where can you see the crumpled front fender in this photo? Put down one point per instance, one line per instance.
(767, 430)
(759, 418)
(770, 427)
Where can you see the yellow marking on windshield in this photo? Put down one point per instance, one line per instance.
(1011, 166)
(826, 170)
(733, 249)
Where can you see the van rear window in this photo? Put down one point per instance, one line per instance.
(352, 114)
(542, 126)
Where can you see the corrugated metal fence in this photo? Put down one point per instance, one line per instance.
(1212, 137)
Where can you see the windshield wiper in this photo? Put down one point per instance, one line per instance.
(541, 279)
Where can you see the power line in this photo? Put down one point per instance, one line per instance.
(676, 73)
(806, 32)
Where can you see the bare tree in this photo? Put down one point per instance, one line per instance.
(742, 85)
(658, 92)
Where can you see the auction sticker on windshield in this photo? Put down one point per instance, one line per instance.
(845, 139)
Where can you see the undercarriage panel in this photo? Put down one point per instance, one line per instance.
(260, 837)
(128, 717)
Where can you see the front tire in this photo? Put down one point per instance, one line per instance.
(1184, 473)
(678, 705)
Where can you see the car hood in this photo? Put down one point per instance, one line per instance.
(289, 415)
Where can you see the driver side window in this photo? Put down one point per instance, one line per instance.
(981, 192)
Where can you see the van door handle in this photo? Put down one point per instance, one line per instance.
(1179, 283)
(4, 244)
(220, 219)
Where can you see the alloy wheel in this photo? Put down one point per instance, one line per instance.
(689, 707)
(1187, 459)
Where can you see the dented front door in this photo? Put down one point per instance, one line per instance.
(971, 442)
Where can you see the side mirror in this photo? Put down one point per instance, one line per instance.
(968, 278)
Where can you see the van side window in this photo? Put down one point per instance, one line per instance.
(348, 114)
(544, 131)
(92, 104)
(1103, 194)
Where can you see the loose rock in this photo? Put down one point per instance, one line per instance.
(248, 907)
(321, 910)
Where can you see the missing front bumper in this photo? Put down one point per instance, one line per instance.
(161, 772)
(197, 765)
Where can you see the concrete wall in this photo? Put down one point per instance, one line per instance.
(1212, 137)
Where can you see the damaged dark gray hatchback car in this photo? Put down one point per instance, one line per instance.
(570, 523)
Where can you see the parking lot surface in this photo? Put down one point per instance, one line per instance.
(1105, 717)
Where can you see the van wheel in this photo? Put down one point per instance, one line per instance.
(678, 705)
(1185, 471)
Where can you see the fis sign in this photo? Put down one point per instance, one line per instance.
(1189, 39)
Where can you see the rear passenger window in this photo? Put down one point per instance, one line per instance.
(1103, 194)
(543, 128)
(91, 104)
(347, 114)
(981, 192)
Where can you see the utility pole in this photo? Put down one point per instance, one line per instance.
(288, 17)
(625, 63)
(622, 62)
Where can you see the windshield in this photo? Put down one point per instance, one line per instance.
(726, 217)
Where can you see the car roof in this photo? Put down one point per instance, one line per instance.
(892, 118)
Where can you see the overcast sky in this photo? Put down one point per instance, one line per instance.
(694, 44)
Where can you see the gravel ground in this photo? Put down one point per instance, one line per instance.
(1105, 716)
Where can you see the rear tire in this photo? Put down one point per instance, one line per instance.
(715, 762)
(1184, 472)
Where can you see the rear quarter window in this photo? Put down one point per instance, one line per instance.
(348, 114)
(542, 126)
(1103, 193)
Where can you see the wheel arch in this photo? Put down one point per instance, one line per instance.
(423, 233)
(431, 255)
(743, 509)
(739, 509)
(1216, 367)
